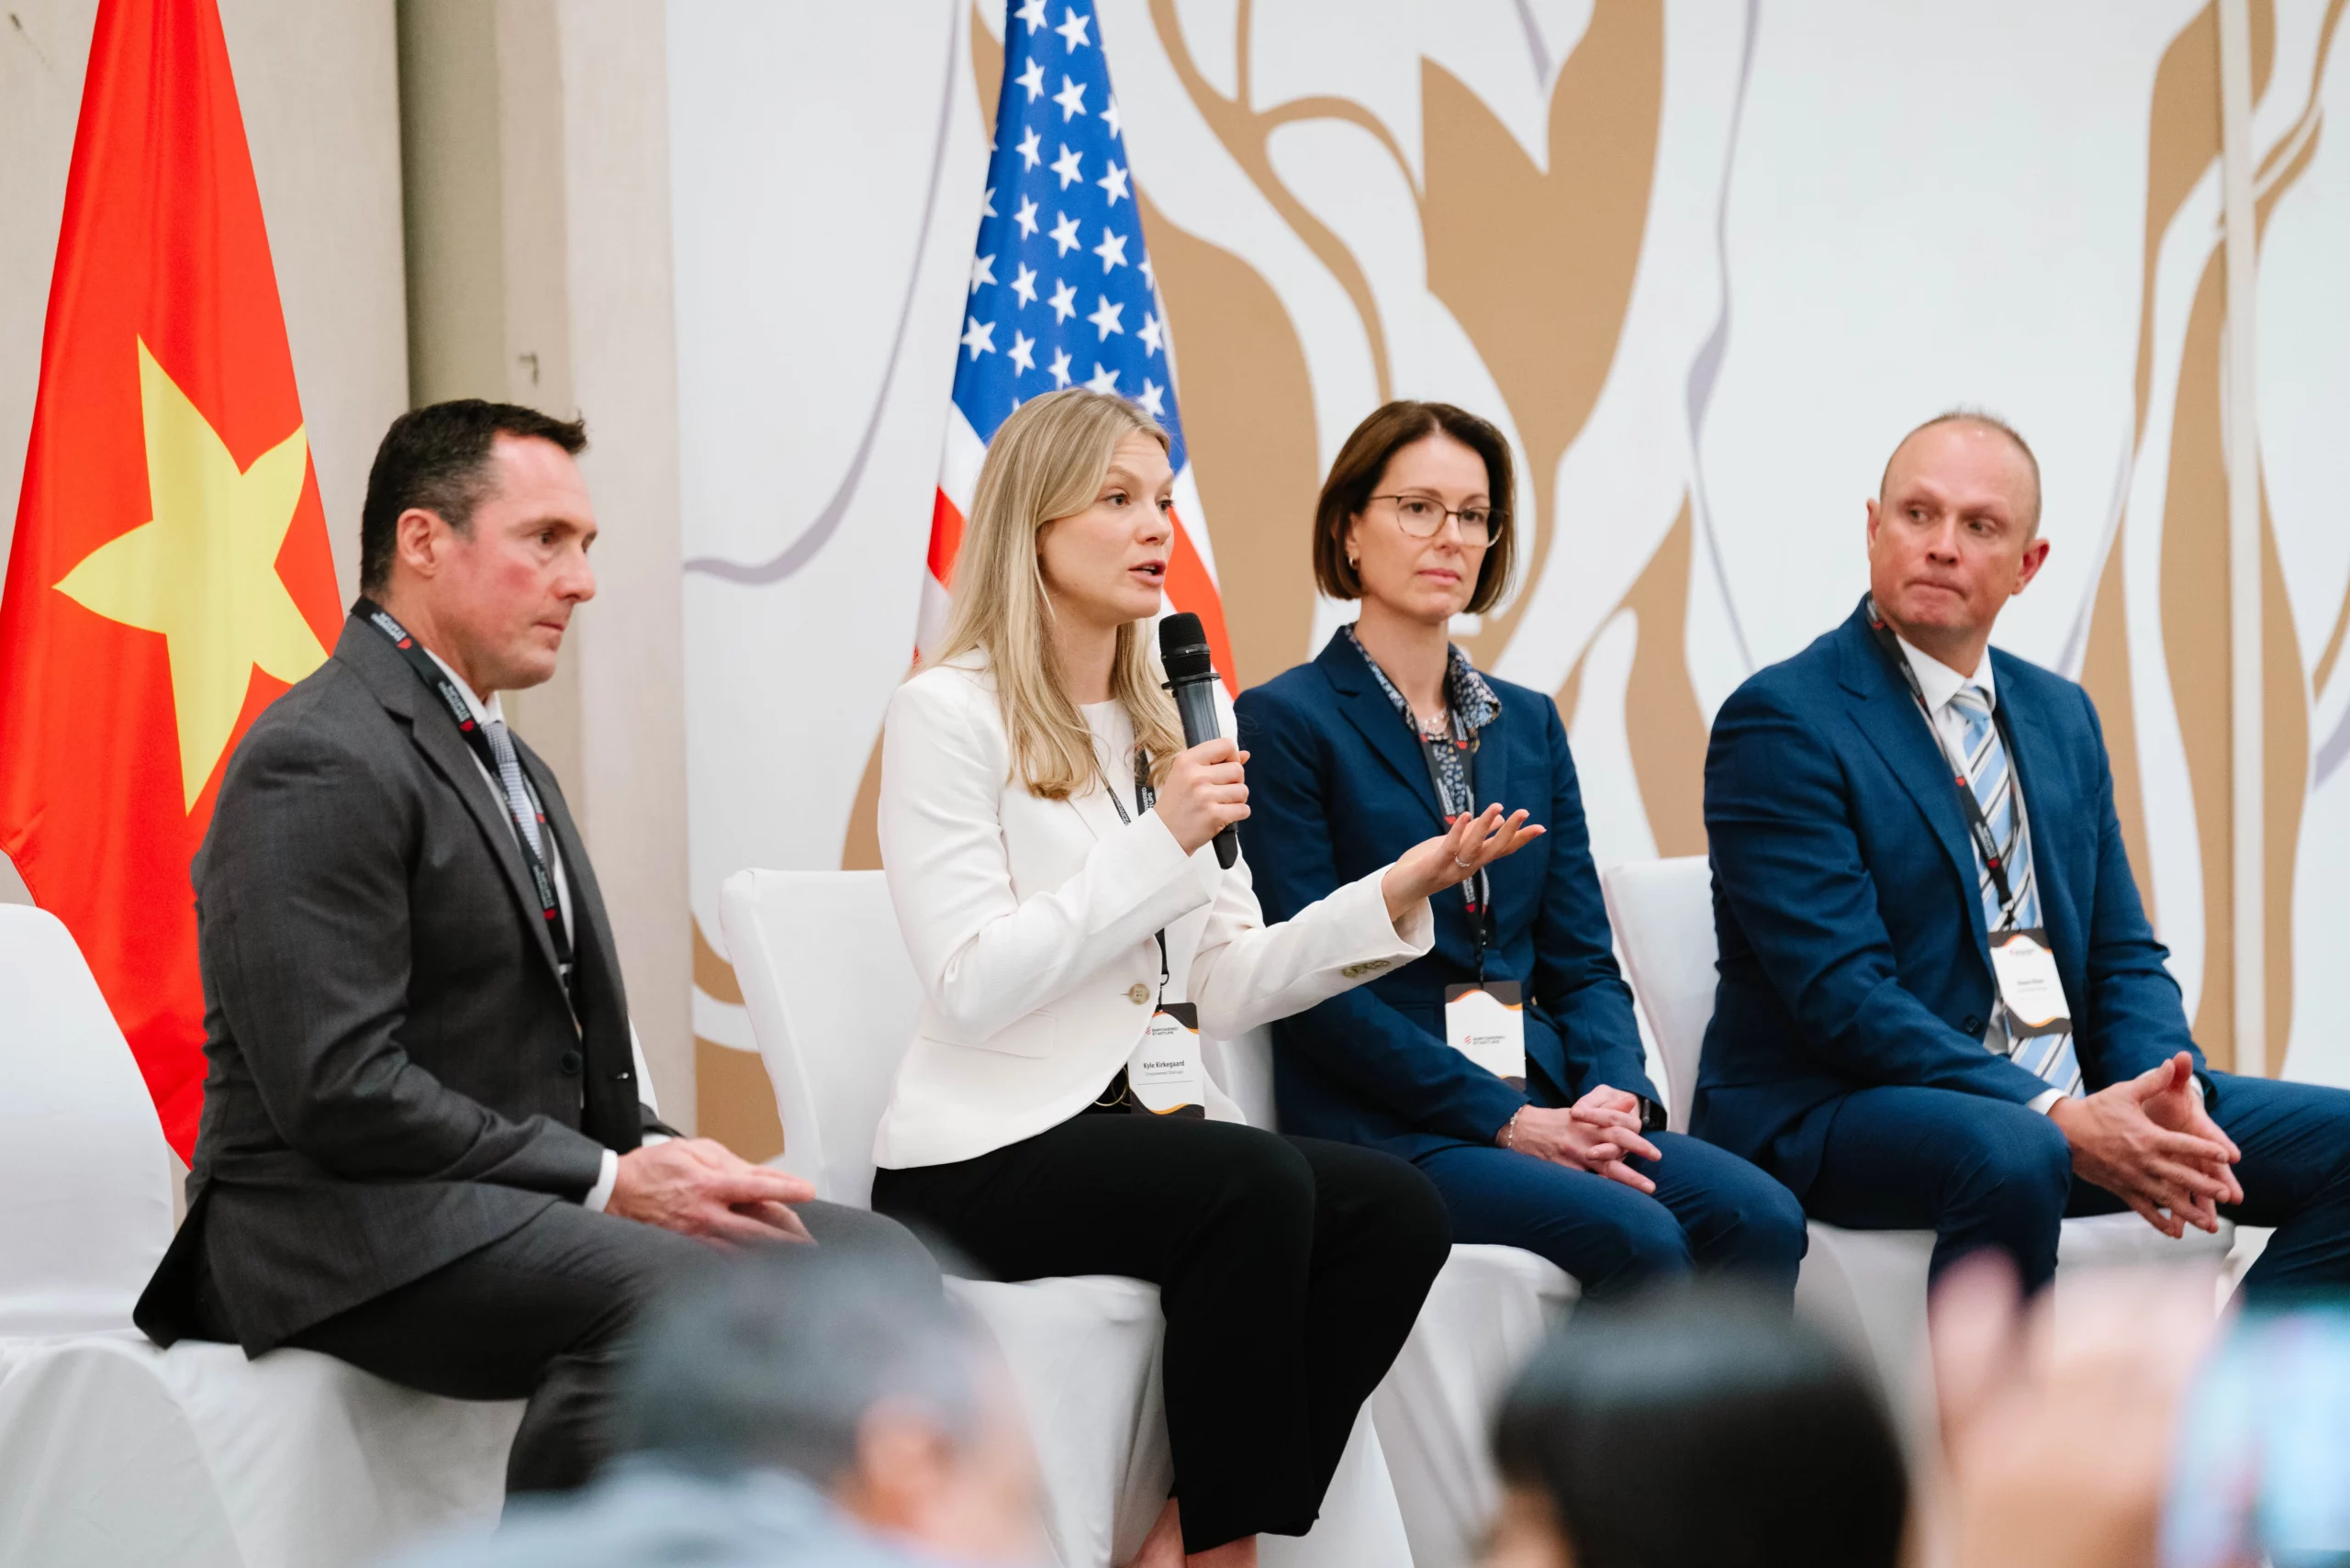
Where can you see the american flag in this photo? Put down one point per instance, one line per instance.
(1061, 292)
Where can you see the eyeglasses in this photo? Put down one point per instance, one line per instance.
(1423, 517)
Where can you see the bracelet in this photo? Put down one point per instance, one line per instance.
(1507, 1136)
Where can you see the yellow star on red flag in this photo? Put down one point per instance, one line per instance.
(203, 571)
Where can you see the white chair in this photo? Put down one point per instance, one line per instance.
(1484, 1316)
(114, 1452)
(833, 997)
(1868, 1287)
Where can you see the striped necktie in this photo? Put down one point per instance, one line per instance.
(2049, 1056)
(519, 804)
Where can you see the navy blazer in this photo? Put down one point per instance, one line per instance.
(1853, 951)
(1336, 789)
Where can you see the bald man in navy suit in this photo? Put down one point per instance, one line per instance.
(1941, 1004)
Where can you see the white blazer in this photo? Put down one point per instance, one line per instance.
(1030, 922)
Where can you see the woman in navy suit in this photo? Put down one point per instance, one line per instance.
(1366, 751)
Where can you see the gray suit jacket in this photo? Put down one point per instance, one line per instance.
(394, 1075)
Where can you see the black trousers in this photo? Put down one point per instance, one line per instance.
(1289, 1271)
(542, 1314)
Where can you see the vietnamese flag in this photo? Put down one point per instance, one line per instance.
(170, 574)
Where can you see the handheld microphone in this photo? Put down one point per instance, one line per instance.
(1190, 676)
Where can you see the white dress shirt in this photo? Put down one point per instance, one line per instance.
(484, 712)
(1940, 683)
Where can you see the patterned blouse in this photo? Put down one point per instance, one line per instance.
(1449, 741)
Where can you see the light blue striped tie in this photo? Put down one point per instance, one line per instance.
(2049, 1056)
(518, 806)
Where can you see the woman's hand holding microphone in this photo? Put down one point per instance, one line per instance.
(1204, 792)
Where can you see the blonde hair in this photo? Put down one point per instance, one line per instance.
(1046, 463)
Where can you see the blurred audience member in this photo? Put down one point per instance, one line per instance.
(2059, 1420)
(1701, 1429)
(872, 1425)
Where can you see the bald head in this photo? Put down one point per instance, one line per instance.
(1963, 427)
(1953, 533)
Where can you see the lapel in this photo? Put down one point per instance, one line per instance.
(608, 1091)
(1093, 808)
(369, 653)
(2051, 812)
(1883, 710)
(588, 926)
(1367, 707)
(1496, 752)
(1496, 778)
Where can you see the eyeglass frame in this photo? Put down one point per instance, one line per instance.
(1497, 520)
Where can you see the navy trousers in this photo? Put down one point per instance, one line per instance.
(1982, 1173)
(1712, 1211)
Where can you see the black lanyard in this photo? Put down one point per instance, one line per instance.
(1145, 798)
(436, 680)
(1987, 845)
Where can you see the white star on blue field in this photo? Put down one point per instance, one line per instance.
(1061, 290)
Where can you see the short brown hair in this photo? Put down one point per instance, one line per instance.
(1364, 458)
(437, 458)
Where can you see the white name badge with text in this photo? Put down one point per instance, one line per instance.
(1164, 1075)
(2029, 984)
(1486, 1022)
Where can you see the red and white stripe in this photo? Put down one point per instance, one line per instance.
(1191, 571)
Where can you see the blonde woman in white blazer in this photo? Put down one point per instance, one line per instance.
(1034, 871)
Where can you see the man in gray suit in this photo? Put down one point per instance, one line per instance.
(426, 1146)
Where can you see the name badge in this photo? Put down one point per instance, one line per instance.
(1486, 1022)
(2028, 985)
(1164, 1075)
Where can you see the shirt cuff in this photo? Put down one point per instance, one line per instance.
(601, 1193)
(1416, 928)
(2045, 1100)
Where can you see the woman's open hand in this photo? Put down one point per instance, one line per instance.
(1205, 792)
(1435, 864)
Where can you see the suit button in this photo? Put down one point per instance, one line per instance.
(568, 1064)
(1139, 993)
(1971, 1025)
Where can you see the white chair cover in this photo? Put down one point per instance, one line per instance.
(1487, 1311)
(1663, 914)
(1866, 1287)
(832, 997)
(114, 1452)
(85, 1177)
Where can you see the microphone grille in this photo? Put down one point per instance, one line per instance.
(1183, 648)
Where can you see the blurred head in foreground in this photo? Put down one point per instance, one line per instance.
(820, 1363)
(795, 1407)
(1700, 1430)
